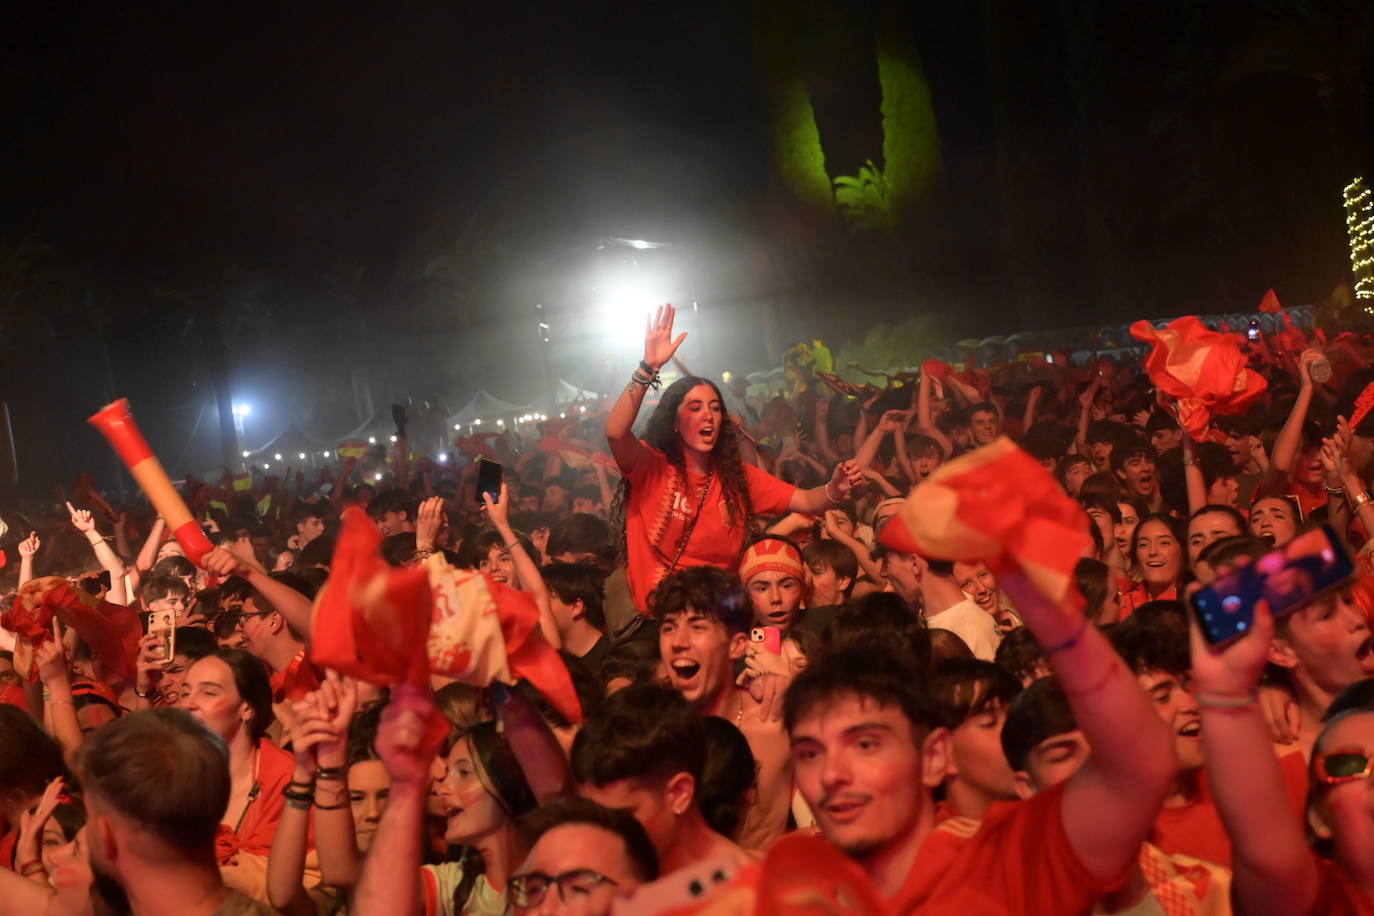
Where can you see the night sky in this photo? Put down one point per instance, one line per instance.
(345, 191)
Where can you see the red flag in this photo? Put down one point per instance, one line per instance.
(1204, 371)
(936, 369)
(999, 505)
(111, 630)
(573, 455)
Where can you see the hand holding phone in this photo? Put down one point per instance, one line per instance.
(1306, 568)
(769, 638)
(488, 480)
(162, 624)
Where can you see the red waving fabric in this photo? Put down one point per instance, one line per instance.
(999, 505)
(1202, 370)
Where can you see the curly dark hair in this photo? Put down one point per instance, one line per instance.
(661, 433)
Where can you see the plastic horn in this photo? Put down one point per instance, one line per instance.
(116, 423)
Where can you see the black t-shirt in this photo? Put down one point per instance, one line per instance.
(597, 654)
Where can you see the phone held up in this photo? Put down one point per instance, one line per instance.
(163, 624)
(768, 637)
(1306, 568)
(488, 480)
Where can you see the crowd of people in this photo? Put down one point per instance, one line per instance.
(777, 703)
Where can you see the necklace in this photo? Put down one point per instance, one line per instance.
(739, 716)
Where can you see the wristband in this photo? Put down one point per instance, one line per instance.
(336, 774)
(832, 499)
(648, 369)
(1220, 701)
(1333, 491)
(342, 804)
(1070, 642)
(1361, 499)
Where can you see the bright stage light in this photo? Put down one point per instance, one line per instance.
(443, 458)
(302, 456)
(371, 440)
(243, 410)
(277, 456)
(476, 422)
(501, 423)
(639, 243)
(378, 475)
(245, 454)
(626, 293)
(265, 465)
(325, 454)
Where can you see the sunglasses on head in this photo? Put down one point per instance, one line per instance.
(1345, 764)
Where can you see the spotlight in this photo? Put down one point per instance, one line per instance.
(277, 456)
(302, 456)
(476, 422)
(443, 458)
(393, 438)
(243, 410)
(245, 454)
(325, 454)
(378, 476)
(371, 440)
(457, 425)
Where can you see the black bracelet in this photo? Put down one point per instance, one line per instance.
(335, 773)
(648, 369)
(1068, 643)
(307, 786)
(343, 804)
(290, 795)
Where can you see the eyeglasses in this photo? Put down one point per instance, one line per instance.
(529, 889)
(1345, 764)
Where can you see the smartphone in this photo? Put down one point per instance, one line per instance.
(488, 479)
(1305, 568)
(768, 637)
(163, 623)
(1253, 331)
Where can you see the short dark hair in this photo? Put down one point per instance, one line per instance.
(195, 642)
(941, 568)
(639, 849)
(578, 582)
(305, 510)
(163, 770)
(1038, 713)
(730, 772)
(1215, 461)
(644, 731)
(393, 500)
(1019, 653)
(1229, 511)
(982, 407)
(157, 587)
(838, 557)
(881, 676)
(880, 620)
(1225, 551)
(582, 533)
(172, 566)
(1135, 447)
(705, 590)
(964, 687)
(1154, 638)
(634, 658)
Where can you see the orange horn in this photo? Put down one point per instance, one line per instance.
(116, 423)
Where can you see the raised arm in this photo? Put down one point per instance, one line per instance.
(1273, 869)
(1085, 414)
(820, 432)
(1285, 455)
(147, 556)
(525, 567)
(1110, 804)
(390, 882)
(659, 347)
(925, 423)
(285, 600)
(27, 548)
(341, 485)
(816, 500)
(53, 669)
(1192, 474)
(83, 522)
(1032, 401)
(891, 422)
(542, 760)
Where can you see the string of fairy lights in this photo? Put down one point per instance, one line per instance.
(1359, 225)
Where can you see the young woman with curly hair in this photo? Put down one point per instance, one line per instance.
(686, 497)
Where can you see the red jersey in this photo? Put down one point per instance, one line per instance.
(1017, 859)
(295, 680)
(258, 825)
(663, 501)
(1195, 829)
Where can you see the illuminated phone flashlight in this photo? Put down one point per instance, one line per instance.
(1253, 332)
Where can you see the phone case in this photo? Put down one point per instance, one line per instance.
(770, 637)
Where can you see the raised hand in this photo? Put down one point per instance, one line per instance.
(401, 737)
(429, 521)
(81, 518)
(659, 343)
(846, 477)
(32, 822)
(892, 421)
(51, 660)
(498, 510)
(29, 546)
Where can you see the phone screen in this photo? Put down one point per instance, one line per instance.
(1287, 578)
(488, 479)
(163, 623)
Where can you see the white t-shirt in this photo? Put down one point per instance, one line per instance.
(972, 624)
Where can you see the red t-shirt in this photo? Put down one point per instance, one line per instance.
(1017, 859)
(295, 680)
(1339, 896)
(259, 823)
(1196, 830)
(654, 509)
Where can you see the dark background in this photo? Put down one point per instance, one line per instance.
(317, 204)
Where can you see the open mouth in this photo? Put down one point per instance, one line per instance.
(1191, 730)
(779, 616)
(686, 670)
(452, 811)
(1364, 653)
